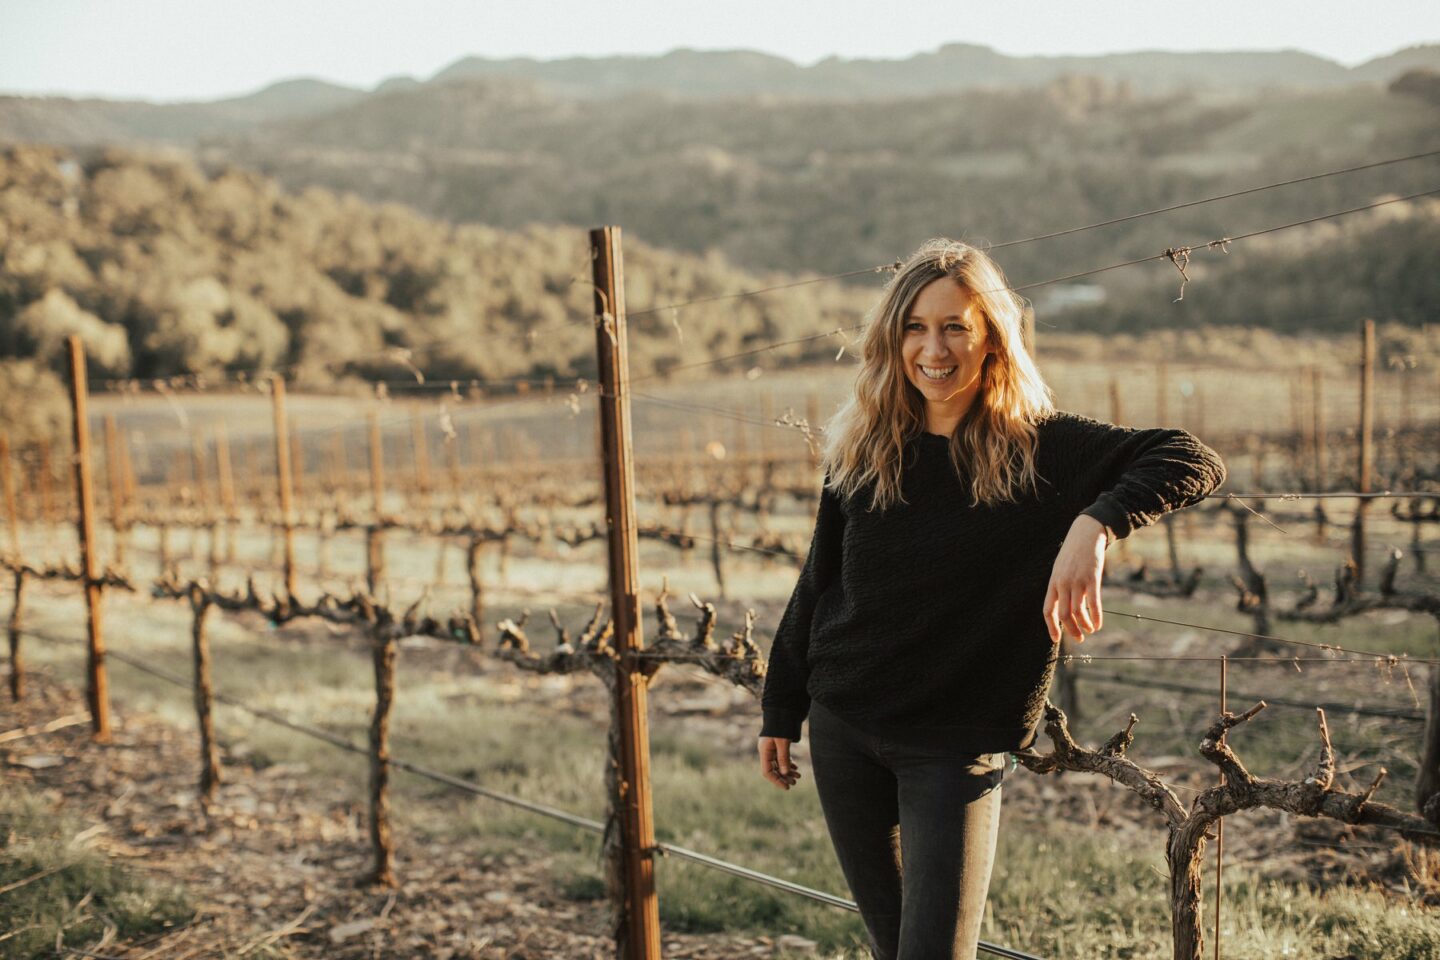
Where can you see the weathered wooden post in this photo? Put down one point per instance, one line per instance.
(17, 611)
(637, 928)
(1317, 413)
(209, 515)
(1220, 821)
(210, 777)
(472, 570)
(420, 443)
(374, 535)
(7, 479)
(382, 646)
(116, 483)
(1367, 447)
(227, 490)
(45, 475)
(98, 689)
(717, 557)
(452, 463)
(297, 464)
(283, 479)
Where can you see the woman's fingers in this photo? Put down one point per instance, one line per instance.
(775, 763)
(789, 772)
(1065, 612)
(1080, 613)
(1073, 609)
(1051, 610)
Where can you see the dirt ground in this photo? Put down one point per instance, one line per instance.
(271, 869)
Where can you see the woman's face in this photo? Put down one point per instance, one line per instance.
(945, 333)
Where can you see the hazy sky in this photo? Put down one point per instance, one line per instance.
(200, 49)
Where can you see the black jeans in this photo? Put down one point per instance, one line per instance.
(930, 816)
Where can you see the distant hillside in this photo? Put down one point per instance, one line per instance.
(953, 68)
(689, 74)
(830, 186)
(64, 121)
(167, 272)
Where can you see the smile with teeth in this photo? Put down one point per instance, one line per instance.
(937, 373)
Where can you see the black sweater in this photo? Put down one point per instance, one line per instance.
(925, 620)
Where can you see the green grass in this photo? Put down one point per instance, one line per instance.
(36, 838)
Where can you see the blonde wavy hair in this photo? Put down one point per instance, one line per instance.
(995, 441)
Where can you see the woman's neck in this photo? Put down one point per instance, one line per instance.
(944, 422)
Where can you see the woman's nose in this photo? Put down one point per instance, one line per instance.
(934, 348)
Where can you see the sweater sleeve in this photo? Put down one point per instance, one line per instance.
(1133, 477)
(785, 702)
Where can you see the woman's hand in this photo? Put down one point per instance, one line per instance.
(1072, 602)
(775, 763)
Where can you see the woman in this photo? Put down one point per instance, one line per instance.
(961, 529)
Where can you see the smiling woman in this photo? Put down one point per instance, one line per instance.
(961, 530)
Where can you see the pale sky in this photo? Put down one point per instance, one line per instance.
(203, 49)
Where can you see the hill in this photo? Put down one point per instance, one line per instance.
(834, 186)
(169, 272)
(705, 74)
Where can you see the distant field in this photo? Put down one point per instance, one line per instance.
(1216, 382)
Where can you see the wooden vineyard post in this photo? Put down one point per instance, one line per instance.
(282, 478)
(637, 928)
(420, 443)
(44, 478)
(452, 463)
(472, 570)
(338, 468)
(98, 690)
(1220, 821)
(1367, 449)
(209, 751)
(1317, 412)
(374, 542)
(717, 557)
(226, 479)
(208, 514)
(131, 490)
(7, 479)
(17, 612)
(297, 465)
(382, 640)
(116, 483)
(1162, 419)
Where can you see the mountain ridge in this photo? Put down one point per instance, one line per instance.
(708, 74)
